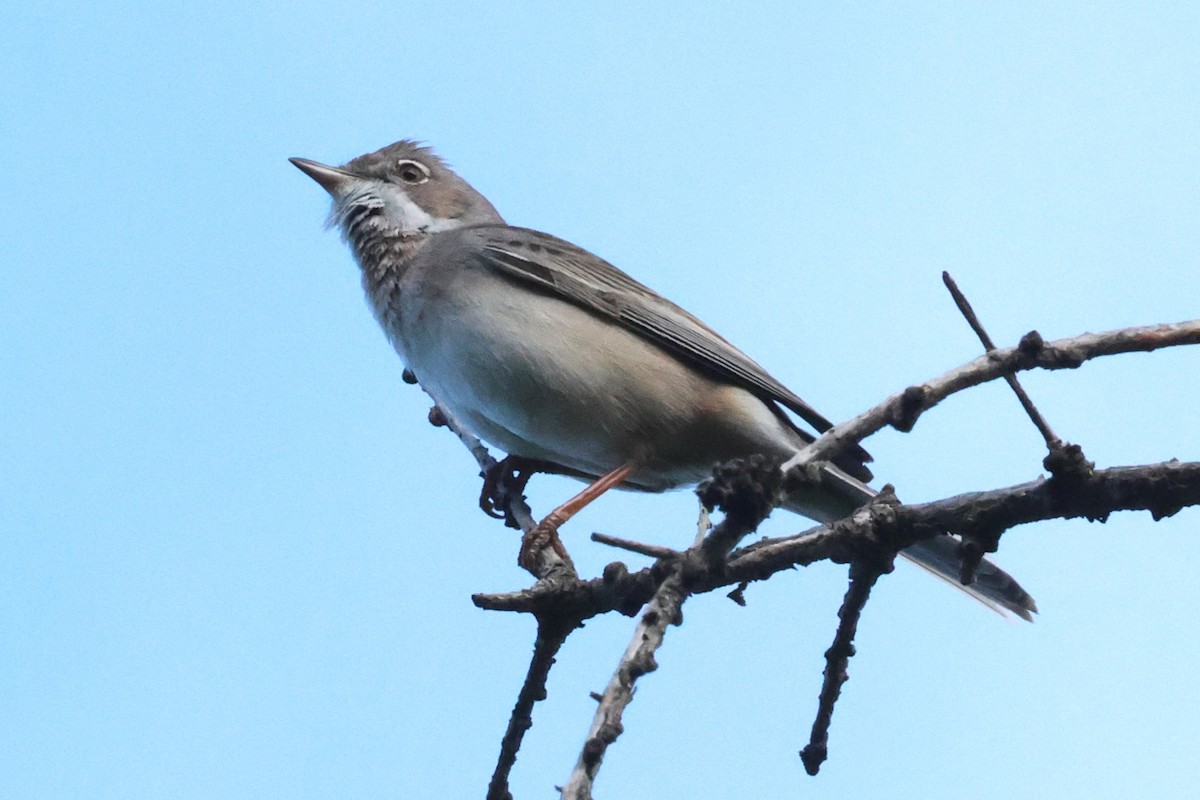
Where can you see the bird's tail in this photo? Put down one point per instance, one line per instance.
(992, 586)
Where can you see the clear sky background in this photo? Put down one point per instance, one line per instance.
(235, 560)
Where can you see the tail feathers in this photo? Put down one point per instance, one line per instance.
(992, 586)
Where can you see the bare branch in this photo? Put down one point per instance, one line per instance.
(440, 417)
(863, 575)
(1162, 489)
(638, 660)
(551, 635)
(551, 565)
(746, 490)
(867, 541)
(901, 410)
(554, 623)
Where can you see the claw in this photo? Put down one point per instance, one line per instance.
(499, 482)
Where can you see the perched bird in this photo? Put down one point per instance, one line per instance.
(557, 357)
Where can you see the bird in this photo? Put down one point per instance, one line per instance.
(558, 358)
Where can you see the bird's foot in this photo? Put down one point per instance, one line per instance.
(541, 542)
(503, 480)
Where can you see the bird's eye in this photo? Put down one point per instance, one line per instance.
(412, 171)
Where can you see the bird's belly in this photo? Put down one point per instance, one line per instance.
(541, 378)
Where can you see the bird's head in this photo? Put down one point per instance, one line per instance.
(403, 188)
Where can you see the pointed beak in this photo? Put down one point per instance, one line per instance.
(332, 179)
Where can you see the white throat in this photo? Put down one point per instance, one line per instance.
(401, 211)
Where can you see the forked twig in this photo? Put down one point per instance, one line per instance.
(902, 409)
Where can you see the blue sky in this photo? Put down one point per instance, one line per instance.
(235, 561)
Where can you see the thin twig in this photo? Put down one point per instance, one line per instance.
(551, 635)
(641, 548)
(440, 417)
(553, 629)
(975, 546)
(550, 565)
(746, 490)
(638, 660)
(964, 306)
(863, 575)
(902, 410)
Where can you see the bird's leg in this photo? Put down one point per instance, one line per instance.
(545, 533)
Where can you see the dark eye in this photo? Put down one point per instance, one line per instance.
(412, 171)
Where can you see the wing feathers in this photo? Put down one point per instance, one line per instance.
(561, 268)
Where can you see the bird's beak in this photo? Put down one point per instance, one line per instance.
(332, 179)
